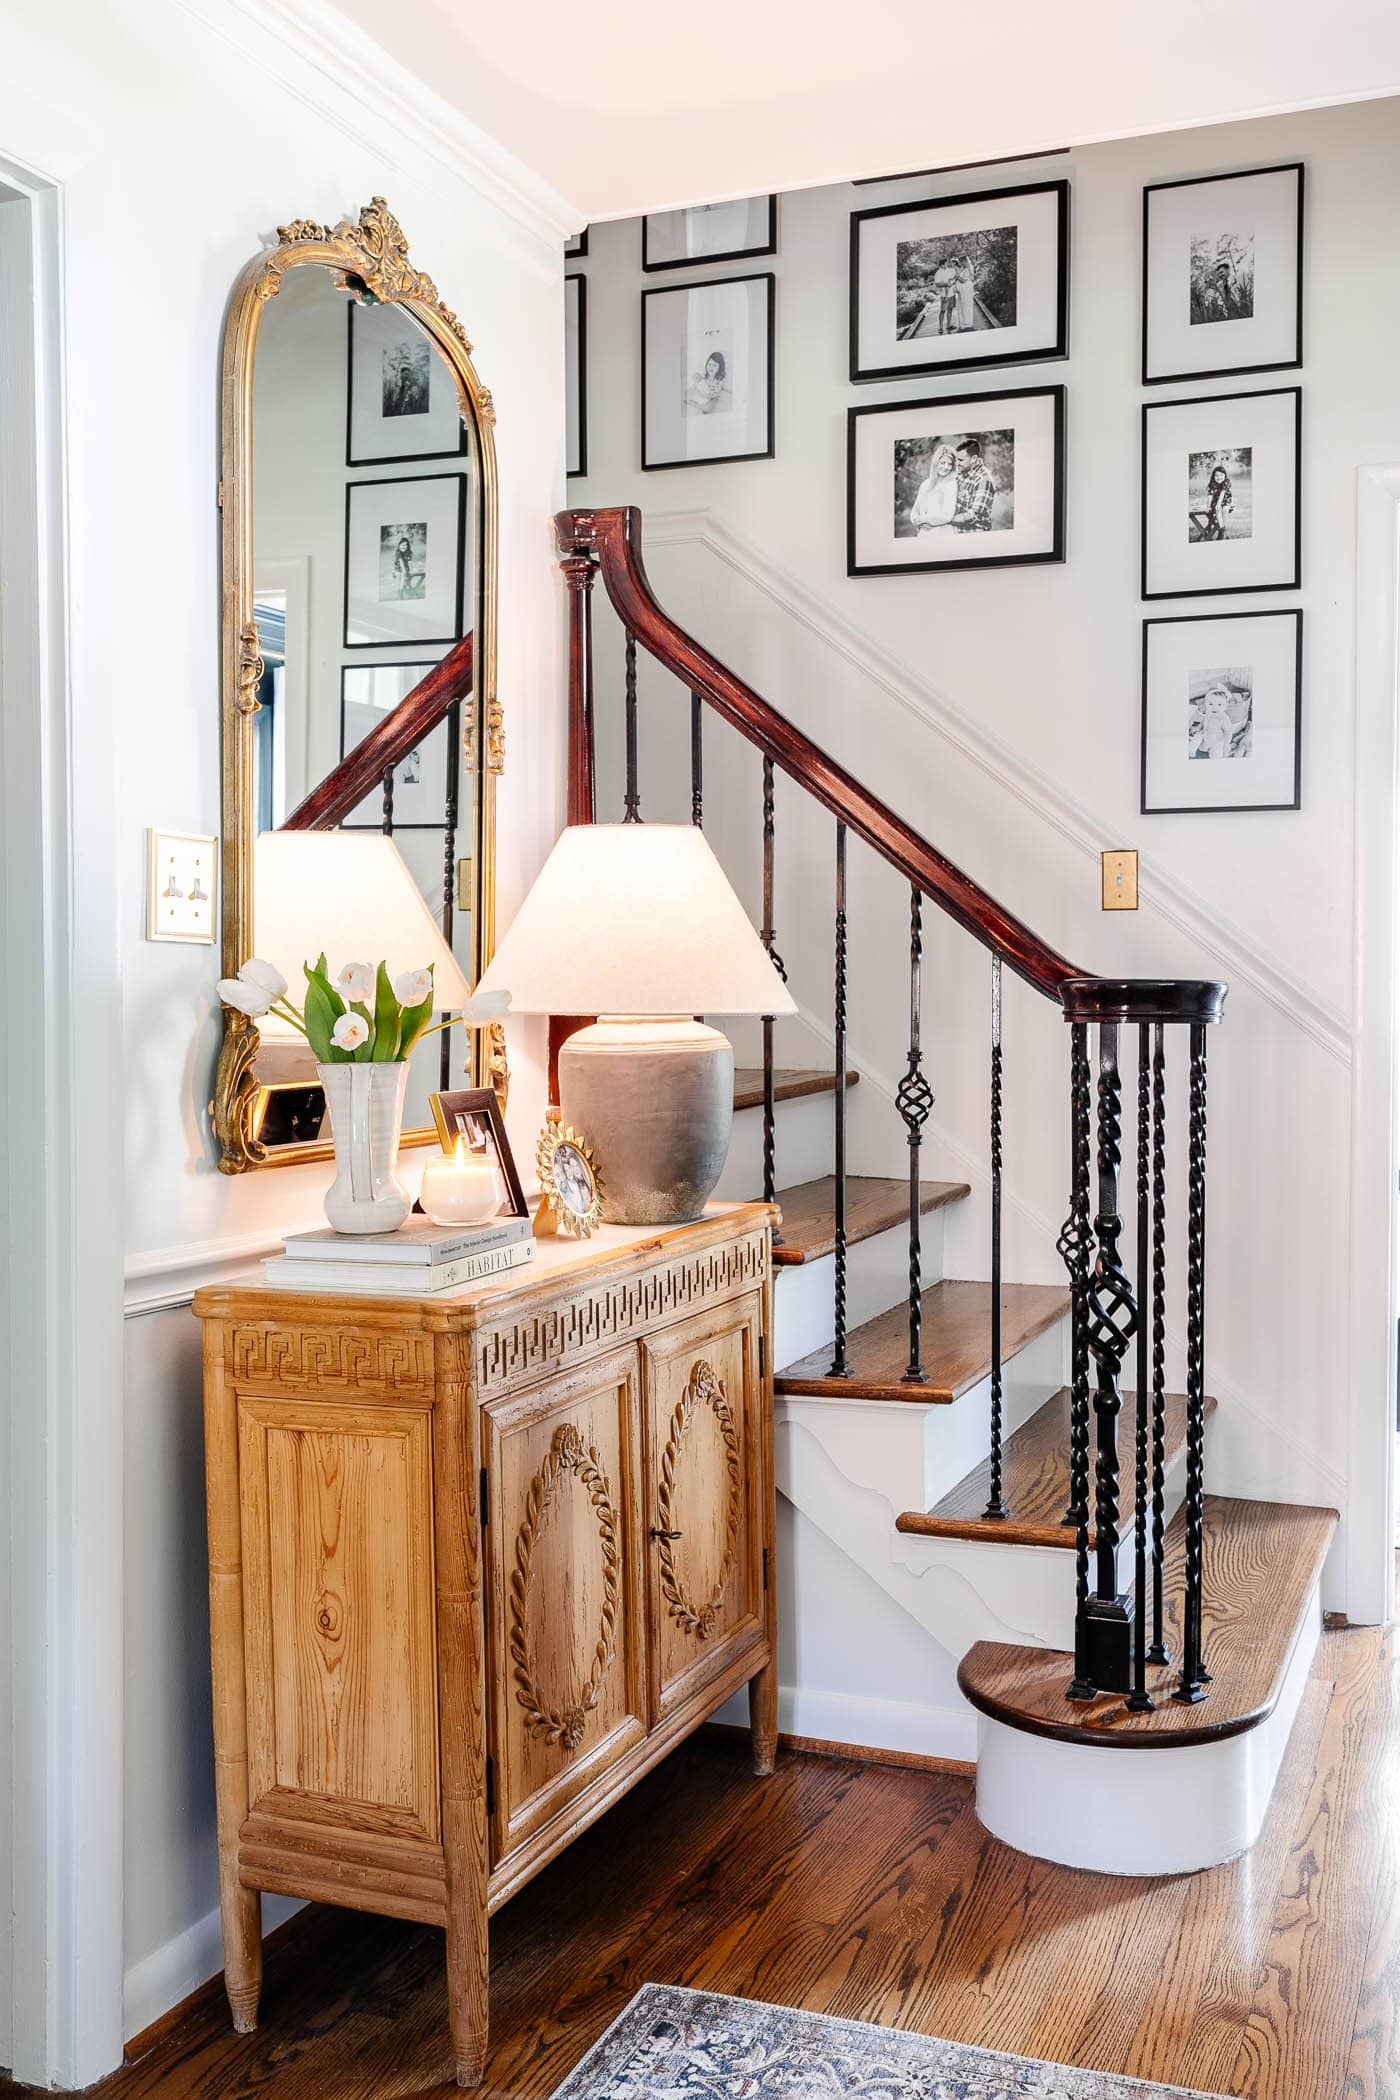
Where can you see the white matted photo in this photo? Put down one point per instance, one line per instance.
(673, 240)
(976, 280)
(707, 372)
(369, 694)
(1222, 275)
(576, 375)
(973, 481)
(402, 398)
(1222, 494)
(403, 560)
(1222, 712)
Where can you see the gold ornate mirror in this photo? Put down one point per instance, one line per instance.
(358, 494)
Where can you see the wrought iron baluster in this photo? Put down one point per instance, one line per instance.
(770, 1174)
(1158, 1652)
(386, 824)
(1073, 1244)
(996, 1507)
(914, 1100)
(632, 801)
(449, 865)
(1139, 1700)
(1194, 1675)
(1112, 1325)
(840, 1366)
(697, 763)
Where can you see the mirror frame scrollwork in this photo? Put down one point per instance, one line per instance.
(369, 254)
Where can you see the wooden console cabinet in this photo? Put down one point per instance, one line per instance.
(475, 1564)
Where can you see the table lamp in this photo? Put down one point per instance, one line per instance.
(637, 923)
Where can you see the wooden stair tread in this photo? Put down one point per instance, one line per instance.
(1035, 1481)
(956, 1343)
(788, 1085)
(873, 1204)
(1260, 1562)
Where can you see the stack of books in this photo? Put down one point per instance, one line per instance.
(415, 1261)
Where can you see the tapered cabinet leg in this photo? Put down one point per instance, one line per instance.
(763, 1719)
(241, 1911)
(467, 1990)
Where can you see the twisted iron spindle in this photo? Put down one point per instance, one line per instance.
(769, 1097)
(1073, 1245)
(697, 763)
(840, 1366)
(1194, 1676)
(1159, 1652)
(632, 801)
(449, 865)
(996, 1507)
(387, 821)
(914, 1100)
(1139, 1699)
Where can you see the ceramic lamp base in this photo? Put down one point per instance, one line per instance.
(654, 1099)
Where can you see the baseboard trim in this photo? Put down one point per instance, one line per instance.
(853, 1753)
(176, 1978)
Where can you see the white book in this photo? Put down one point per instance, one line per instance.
(417, 1243)
(402, 1282)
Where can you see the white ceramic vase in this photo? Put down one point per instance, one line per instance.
(366, 1110)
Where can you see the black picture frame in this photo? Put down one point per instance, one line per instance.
(1228, 590)
(574, 473)
(386, 459)
(710, 284)
(480, 1101)
(1220, 809)
(577, 247)
(767, 246)
(350, 823)
(1284, 364)
(1056, 394)
(1059, 348)
(416, 641)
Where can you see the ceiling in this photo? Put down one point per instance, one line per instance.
(637, 105)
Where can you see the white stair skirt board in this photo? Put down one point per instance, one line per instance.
(877, 1277)
(1139, 1811)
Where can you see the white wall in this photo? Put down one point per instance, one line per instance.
(181, 136)
(999, 712)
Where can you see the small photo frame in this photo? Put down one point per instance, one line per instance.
(576, 246)
(969, 281)
(966, 482)
(707, 233)
(1222, 712)
(576, 375)
(474, 1116)
(707, 372)
(401, 398)
(403, 561)
(369, 692)
(1222, 494)
(1222, 275)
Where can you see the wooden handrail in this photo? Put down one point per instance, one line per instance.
(612, 539)
(362, 769)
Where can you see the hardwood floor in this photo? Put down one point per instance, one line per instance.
(873, 1892)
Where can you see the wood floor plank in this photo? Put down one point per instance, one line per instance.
(1373, 2061)
(789, 1084)
(873, 1204)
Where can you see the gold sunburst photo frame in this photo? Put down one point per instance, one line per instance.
(571, 1192)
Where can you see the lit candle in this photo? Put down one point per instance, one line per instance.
(461, 1187)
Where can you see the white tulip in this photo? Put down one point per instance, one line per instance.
(265, 976)
(412, 987)
(350, 1031)
(356, 981)
(487, 1006)
(250, 999)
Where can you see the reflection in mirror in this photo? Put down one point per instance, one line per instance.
(366, 536)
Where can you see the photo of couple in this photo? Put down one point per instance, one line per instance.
(951, 485)
(955, 284)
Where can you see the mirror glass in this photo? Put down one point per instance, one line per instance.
(366, 536)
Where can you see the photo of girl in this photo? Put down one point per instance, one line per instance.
(709, 392)
(937, 498)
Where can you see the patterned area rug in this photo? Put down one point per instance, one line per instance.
(672, 2044)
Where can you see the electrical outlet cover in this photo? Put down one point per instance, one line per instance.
(182, 886)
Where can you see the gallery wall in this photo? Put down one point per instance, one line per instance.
(181, 136)
(999, 712)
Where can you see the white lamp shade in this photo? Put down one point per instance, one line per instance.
(632, 919)
(352, 895)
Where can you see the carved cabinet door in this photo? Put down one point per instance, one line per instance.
(564, 1552)
(705, 1572)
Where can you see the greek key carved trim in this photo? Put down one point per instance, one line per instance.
(567, 1454)
(703, 1389)
(331, 1361)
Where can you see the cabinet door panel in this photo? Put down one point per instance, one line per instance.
(705, 1565)
(564, 1559)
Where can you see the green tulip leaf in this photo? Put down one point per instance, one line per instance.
(387, 1020)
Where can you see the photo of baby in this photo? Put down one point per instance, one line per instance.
(1220, 713)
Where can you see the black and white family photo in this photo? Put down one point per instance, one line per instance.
(402, 398)
(404, 377)
(1218, 250)
(956, 483)
(956, 283)
(403, 561)
(1222, 277)
(404, 568)
(707, 373)
(1220, 713)
(1220, 494)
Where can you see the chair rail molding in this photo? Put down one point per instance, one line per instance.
(168, 1277)
(1163, 894)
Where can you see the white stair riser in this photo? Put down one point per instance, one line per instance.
(877, 1277)
(803, 1147)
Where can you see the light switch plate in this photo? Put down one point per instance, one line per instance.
(1120, 879)
(182, 886)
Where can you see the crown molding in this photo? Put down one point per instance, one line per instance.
(1164, 894)
(324, 59)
